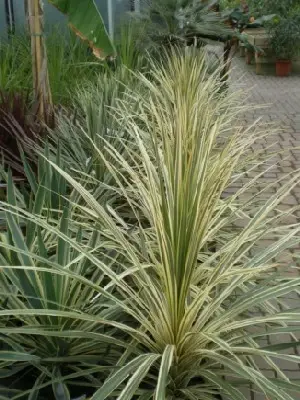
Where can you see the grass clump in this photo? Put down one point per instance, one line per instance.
(70, 63)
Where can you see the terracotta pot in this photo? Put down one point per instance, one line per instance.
(283, 67)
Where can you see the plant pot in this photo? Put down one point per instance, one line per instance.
(283, 67)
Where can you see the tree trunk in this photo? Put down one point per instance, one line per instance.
(230, 47)
(42, 93)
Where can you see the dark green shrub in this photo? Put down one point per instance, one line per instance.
(285, 38)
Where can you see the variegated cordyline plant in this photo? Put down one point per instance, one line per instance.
(162, 298)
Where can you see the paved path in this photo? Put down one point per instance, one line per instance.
(280, 98)
(283, 97)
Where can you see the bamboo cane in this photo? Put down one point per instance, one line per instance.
(41, 85)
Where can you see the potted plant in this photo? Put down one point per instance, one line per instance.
(285, 43)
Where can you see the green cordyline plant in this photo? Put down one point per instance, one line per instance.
(174, 303)
(92, 126)
(52, 337)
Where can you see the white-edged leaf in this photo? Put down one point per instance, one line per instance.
(166, 362)
(113, 382)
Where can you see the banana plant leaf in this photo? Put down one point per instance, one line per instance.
(242, 19)
(86, 21)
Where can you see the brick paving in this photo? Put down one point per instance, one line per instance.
(282, 98)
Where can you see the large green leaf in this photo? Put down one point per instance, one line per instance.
(86, 21)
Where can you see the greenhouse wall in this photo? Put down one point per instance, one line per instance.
(111, 11)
